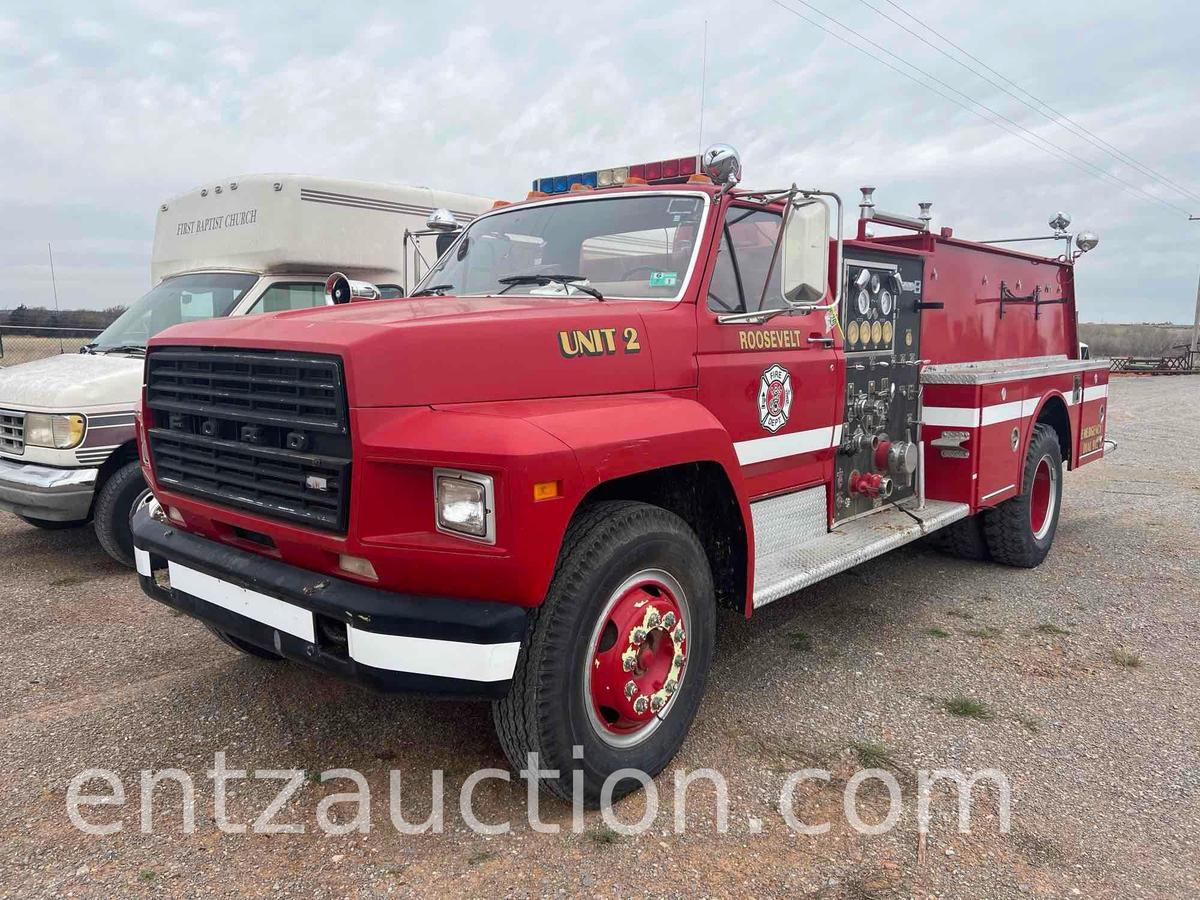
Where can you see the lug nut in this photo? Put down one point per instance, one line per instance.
(652, 618)
(669, 621)
(657, 702)
(631, 688)
(678, 660)
(628, 662)
(639, 634)
(640, 705)
(677, 635)
(671, 686)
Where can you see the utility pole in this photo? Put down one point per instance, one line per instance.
(1196, 323)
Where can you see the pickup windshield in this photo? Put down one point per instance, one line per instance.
(632, 247)
(184, 298)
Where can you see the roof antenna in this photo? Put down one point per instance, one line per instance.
(703, 73)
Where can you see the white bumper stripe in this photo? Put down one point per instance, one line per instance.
(251, 604)
(396, 653)
(444, 659)
(780, 445)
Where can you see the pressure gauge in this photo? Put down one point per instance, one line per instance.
(886, 303)
(875, 284)
(864, 302)
(852, 333)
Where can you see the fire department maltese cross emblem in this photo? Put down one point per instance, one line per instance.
(774, 398)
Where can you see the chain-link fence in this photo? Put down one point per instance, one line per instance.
(22, 344)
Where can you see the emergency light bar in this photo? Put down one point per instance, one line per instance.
(667, 171)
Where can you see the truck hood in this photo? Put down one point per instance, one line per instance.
(441, 350)
(73, 382)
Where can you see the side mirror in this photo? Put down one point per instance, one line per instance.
(444, 241)
(804, 269)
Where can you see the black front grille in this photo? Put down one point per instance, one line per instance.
(260, 430)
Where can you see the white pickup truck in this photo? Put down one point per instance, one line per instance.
(258, 244)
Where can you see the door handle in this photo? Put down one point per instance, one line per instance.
(826, 341)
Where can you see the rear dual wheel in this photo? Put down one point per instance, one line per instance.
(618, 654)
(1019, 531)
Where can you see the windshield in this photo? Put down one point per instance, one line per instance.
(184, 298)
(636, 247)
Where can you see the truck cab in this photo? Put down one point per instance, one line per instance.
(640, 394)
(249, 246)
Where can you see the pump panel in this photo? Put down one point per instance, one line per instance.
(877, 460)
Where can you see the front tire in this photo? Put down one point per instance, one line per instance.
(121, 495)
(1020, 531)
(616, 658)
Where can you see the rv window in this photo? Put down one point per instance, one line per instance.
(293, 295)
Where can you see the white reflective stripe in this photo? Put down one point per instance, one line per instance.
(950, 417)
(1096, 392)
(994, 493)
(781, 445)
(424, 656)
(1001, 412)
(251, 604)
(1029, 407)
(141, 559)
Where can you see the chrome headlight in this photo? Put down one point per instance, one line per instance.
(58, 432)
(465, 504)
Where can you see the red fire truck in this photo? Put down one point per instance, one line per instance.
(642, 393)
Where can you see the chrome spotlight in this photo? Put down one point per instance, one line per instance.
(1060, 222)
(1086, 240)
(441, 220)
(722, 164)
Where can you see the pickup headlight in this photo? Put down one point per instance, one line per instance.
(465, 504)
(58, 432)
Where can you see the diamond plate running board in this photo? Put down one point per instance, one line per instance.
(783, 566)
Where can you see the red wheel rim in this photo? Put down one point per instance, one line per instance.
(637, 657)
(1041, 497)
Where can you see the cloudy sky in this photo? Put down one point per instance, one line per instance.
(106, 109)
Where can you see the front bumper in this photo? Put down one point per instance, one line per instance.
(384, 640)
(44, 492)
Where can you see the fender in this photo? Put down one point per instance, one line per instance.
(1028, 422)
(626, 434)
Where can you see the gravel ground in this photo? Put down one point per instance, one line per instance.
(1102, 756)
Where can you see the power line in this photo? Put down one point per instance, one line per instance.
(1058, 118)
(998, 119)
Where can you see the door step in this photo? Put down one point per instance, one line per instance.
(789, 556)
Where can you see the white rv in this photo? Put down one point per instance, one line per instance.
(259, 244)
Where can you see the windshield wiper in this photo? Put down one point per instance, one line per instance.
(567, 281)
(88, 348)
(439, 289)
(122, 348)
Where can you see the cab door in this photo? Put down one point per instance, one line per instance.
(774, 385)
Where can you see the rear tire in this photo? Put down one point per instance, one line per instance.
(51, 525)
(1020, 531)
(620, 562)
(964, 539)
(244, 646)
(124, 491)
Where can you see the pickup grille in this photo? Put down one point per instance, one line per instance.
(257, 430)
(12, 432)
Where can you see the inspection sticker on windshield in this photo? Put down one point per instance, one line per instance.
(663, 279)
